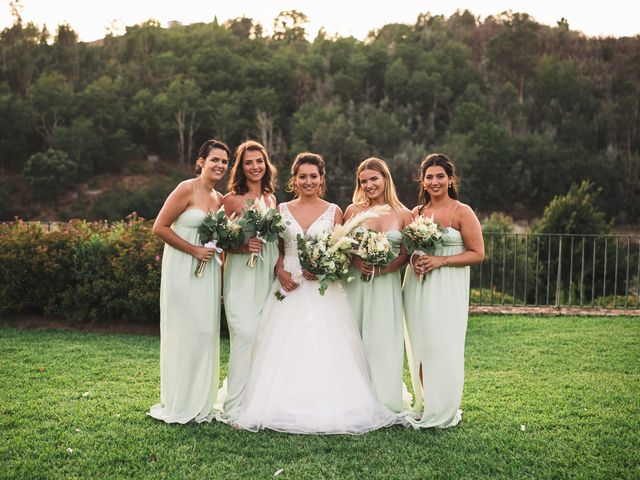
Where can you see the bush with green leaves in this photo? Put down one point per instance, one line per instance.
(83, 270)
(5, 198)
(49, 174)
(577, 212)
(498, 222)
(145, 202)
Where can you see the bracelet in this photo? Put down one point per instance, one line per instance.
(446, 261)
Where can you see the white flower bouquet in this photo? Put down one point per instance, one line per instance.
(328, 254)
(374, 248)
(219, 232)
(262, 222)
(421, 237)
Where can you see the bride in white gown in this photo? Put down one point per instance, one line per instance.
(309, 373)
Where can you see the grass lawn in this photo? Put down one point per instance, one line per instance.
(574, 383)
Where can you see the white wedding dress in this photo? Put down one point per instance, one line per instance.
(309, 372)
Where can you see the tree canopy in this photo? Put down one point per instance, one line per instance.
(524, 109)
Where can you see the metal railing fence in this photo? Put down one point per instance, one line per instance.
(558, 270)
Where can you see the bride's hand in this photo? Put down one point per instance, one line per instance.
(362, 266)
(286, 280)
(308, 275)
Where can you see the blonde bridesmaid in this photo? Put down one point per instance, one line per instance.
(377, 304)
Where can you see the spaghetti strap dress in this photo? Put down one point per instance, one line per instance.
(436, 313)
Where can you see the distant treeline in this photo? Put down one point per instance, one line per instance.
(524, 109)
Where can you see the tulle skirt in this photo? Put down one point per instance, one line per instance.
(309, 373)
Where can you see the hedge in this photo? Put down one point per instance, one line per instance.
(81, 270)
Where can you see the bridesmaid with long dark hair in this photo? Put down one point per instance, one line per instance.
(246, 288)
(190, 305)
(436, 309)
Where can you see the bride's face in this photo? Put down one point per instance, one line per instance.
(308, 180)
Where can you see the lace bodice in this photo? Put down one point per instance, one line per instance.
(321, 224)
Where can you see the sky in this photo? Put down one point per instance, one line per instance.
(90, 19)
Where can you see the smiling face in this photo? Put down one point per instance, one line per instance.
(436, 181)
(308, 180)
(253, 165)
(215, 165)
(373, 184)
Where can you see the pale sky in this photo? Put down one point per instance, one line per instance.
(91, 18)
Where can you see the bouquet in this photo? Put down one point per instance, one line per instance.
(326, 257)
(421, 237)
(261, 222)
(374, 248)
(219, 232)
(328, 254)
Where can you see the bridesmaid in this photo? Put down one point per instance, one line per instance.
(190, 306)
(377, 304)
(245, 288)
(436, 310)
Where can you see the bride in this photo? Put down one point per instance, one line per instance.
(309, 373)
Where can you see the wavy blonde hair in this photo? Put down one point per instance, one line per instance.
(390, 195)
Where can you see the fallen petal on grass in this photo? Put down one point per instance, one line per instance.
(522, 428)
(278, 472)
(69, 450)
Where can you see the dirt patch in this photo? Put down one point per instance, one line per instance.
(42, 322)
(552, 311)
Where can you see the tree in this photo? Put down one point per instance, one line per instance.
(49, 173)
(22, 51)
(16, 118)
(5, 198)
(52, 98)
(288, 26)
(576, 212)
(82, 144)
(182, 102)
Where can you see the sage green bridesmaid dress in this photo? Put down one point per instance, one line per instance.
(377, 306)
(245, 293)
(189, 330)
(436, 314)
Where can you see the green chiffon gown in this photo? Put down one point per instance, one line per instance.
(245, 293)
(189, 330)
(436, 314)
(377, 306)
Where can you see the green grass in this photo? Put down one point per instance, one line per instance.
(574, 383)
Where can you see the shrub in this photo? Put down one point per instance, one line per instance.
(5, 198)
(50, 173)
(84, 270)
(576, 212)
(34, 267)
(146, 202)
(498, 222)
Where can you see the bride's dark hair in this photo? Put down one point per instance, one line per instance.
(307, 158)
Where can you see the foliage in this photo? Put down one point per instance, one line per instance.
(49, 174)
(576, 212)
(118, 204)
(5, 198)
(521, 107)
(498, 223)
(571, 382)
(84, 271)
